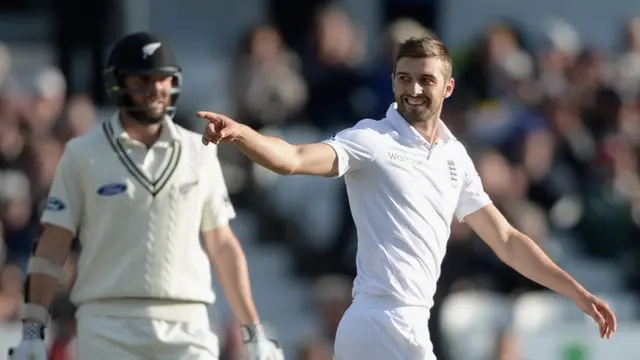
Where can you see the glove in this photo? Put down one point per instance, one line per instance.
(32, 346)
(258, 345)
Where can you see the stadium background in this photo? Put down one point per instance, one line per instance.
(547, 100)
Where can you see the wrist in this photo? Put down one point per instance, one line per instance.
(32, 331)
(578, 292)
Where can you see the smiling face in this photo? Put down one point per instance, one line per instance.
(152, 93)
(422, 79)
(420, 88)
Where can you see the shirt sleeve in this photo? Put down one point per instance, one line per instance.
(355, 147)
(472, 197)
(218, 210)
(64, 206)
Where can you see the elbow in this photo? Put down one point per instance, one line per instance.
(286, 170)
(508, 243)
(512, 242)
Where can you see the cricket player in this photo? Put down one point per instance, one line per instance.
(407, 177)
(150, 208)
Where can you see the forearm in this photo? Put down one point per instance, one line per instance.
(230, 265)
(40, 290)
(272, 153)
(44, 272)
(526, 257)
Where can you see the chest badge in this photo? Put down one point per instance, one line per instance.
(453, 173)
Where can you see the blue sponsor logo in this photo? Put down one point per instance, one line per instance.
(55, 204)
(112, 189)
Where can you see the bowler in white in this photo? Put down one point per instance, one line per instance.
(150, 208)
(407, 177)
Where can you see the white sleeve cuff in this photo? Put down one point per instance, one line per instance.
(467, 209)
(343, 157)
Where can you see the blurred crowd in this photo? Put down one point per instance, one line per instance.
(553, 126)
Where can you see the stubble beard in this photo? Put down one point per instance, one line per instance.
(428, 115)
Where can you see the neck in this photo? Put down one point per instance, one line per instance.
(144, 133)
(428, 128)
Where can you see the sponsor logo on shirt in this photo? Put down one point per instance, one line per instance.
(112, 189)
(404, 158)
(54, 204)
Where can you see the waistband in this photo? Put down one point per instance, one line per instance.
(384, 302)
(146, 308)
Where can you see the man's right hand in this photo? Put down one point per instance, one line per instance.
(219, 129)
(32, 346)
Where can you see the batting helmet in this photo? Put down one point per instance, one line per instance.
(140, 54)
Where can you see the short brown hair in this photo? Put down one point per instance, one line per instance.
(425, 47)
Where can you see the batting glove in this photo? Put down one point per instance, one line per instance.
(258, 345)
(32, 346)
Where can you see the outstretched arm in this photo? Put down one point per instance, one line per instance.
(522, 254)
(284, 158)
(349, 150)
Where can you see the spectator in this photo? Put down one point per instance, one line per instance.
(268, 88)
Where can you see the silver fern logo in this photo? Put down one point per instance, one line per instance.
(150, 49)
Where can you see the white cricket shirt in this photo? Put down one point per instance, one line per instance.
(139, 212)
(403, 196)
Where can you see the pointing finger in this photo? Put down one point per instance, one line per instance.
(207, 115)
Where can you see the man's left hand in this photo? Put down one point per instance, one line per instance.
(258, 345)
(600, 312)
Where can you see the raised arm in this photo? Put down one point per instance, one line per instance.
(348, 150)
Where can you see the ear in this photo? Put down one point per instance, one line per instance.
(393, 83)
(448, 90)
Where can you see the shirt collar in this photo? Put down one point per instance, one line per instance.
(168, 135)
(407, 131)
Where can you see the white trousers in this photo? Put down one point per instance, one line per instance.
(116, 338)
(377, 330)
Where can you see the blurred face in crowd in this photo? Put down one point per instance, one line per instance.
(152, 93)
(17, 213)
(633, 35)
(45, 156)
(81, 115)
(12, 142)
(420, 86)
(266, 45)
